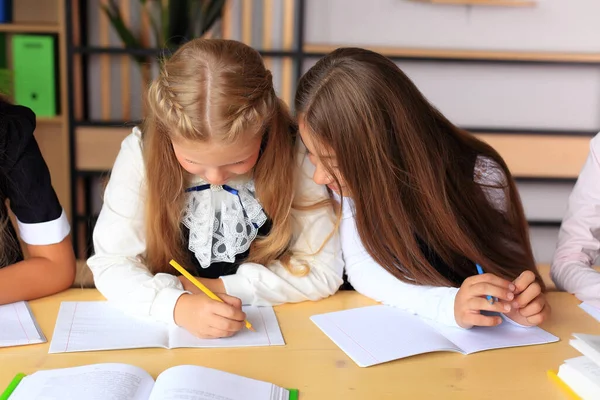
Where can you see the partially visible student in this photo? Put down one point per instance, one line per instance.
(217, 180)
(425, 201)
(579, 238)
(42, 223)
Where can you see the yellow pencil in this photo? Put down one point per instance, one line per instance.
(563, 386)
(203, 288)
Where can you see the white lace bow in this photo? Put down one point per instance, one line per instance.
(223, 220)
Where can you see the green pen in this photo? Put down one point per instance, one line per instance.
(12, 386)
(293, 394)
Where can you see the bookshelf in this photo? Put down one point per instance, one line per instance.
(30, 28)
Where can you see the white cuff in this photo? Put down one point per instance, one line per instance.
(45, 233)
(238, 286)
(163, 306)
(446, 310)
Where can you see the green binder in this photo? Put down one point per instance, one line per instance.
(35, 73)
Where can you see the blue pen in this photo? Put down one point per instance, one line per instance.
(480, 272)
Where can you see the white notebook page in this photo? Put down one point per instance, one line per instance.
(97, 325)
(191, 382)
(18, 326)
(90, 382)
(377, 334)
(497, 337)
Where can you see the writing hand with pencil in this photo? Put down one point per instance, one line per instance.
(477, 294)
(207, 315)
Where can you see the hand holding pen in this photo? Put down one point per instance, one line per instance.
(476, 294)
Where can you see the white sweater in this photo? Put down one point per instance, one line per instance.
(119, 243)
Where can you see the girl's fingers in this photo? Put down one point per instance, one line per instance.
(540, 317)
(534, 307)
(523, 281)
(491, 279)
(217, 333)
(482, 320)
(226, 325)
(490, 289)
(482, 304)
(527, 296)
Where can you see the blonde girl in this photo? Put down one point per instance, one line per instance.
(217, 180)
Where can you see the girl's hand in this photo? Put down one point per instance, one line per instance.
(471, 300)
(207, 318)
(529, 307)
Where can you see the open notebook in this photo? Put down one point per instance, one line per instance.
(126, 382)
(18, 326)
(97, 325)
(378, 334)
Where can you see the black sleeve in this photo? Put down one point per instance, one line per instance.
(27, 182)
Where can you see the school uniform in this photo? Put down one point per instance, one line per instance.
(219, 224)
(372, 280)
(579, 238)
(25, 183)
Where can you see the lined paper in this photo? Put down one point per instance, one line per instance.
(18, 326)
(97, 325)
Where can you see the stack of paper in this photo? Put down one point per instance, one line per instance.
(18, 326)
(582, 374)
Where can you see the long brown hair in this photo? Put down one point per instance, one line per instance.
(411, 173)
(215, 90)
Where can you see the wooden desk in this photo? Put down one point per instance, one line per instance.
(316, 366)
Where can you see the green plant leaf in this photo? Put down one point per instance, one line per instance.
(112, 11)
(164, 24)
(197, 18)
(214, 11)
(147, 10)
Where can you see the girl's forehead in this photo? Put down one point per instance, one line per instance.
(312, 143)
(216, 152)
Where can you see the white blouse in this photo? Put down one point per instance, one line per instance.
(372, 280)
(119, 242)
(578, 245)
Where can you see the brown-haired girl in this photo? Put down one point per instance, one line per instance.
(209, 181)
(425, 201)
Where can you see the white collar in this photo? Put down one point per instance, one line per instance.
(223, 220)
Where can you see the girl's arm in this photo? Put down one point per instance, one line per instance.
(579, 237)
(47, 270)
(274, 284)
(370, 279)
(42, 223)
(119, 242)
